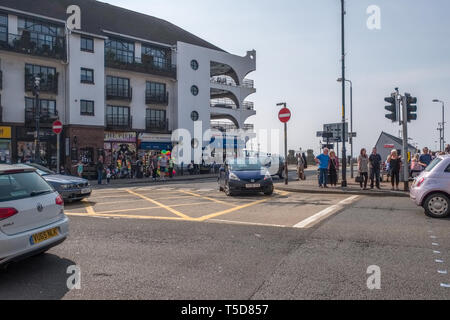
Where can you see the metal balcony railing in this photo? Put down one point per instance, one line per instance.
(248, 105)
(46, 118)
(143, 65)
(161, 98)
(1, 80)
(119, 92)
(223, 103)
(156, 126)
(47, 85)
(228, 81)
(35, 43)
(223, 126)
(249, 127)
(119, 122)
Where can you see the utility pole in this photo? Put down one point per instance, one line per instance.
(344, 155)
(37, 114)
(405, 143)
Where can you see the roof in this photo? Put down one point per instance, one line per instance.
(97, 16)
(8, 167)
(396, 139)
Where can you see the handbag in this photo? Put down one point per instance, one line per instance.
(359, 179)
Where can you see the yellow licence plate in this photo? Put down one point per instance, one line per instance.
(45, 235)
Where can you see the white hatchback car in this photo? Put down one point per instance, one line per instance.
(32, 218)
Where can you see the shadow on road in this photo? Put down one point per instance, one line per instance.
(40, 277)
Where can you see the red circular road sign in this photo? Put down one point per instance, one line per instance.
(284, 115)
(57, 127)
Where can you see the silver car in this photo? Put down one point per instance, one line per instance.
(431, 189)
(32, 218)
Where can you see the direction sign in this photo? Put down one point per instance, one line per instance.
(336, 129)
(57, 127)
(284, 115)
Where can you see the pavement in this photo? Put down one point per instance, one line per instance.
(189, 241)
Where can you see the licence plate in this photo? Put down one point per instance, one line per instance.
(86, 190)
(44, 236)
(252, 186)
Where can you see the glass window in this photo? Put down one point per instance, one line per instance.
(155, 88)
(48, 107)
(46, 74)
(87, 108)
(194, 64)
(87, 75)
(3, 27)
(160, 57)
(43, 34)
(87, 44)
(433, 164)
(22, 185)
(156, 115)
(120, 50)
(194, 90)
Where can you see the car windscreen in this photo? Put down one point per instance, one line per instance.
(42, 171)
(22, 185)
(245, 166)
(433, 164)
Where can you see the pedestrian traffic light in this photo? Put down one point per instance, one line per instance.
(411, 107)
(392, 108)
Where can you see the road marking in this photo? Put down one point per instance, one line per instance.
(436, 252)
(309, 222)
(442, 271)
(445, 285)
(181, 215)
(433, 237)
(435, 244)
(89, 209)
(208, 198)
(439, 261)
(246, 223)
(221, 213)
(128, 217)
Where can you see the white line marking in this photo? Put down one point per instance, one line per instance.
(433, 237)
(436, 252)
(439, 261)
(435, 244)
(246, 223)
(442, 271)
(311, 220)
(444, 285)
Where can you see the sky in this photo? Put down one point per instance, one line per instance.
(298, 44)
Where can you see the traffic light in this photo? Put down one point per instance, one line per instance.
(36, 86)
(411, 107)
(392, 108)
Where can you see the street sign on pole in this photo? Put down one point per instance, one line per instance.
(57, 129)
(284, 115)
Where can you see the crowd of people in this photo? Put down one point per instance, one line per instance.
(370, 167)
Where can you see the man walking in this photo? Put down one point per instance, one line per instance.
(425, 159)
(100, 168)
(323, 160)
(375, 165)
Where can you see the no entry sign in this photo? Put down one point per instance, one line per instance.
(57, 127)
(284, 115)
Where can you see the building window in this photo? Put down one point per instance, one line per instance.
(118, 87)
(155, 88)
(87, 75)
(44, 35)
(87, 44)
(194, 90)
(194, 116)
(3, 27)
(119, 50)
(160, 57)
(156, 115)
(48, 107)
(194, 64)
(118, 116)
(47, 75)
(87, 108)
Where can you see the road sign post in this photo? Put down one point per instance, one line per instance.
(284, 116)
(57, 129)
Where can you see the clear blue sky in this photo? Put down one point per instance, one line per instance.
(298, 48)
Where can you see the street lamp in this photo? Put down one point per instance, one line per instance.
(443, 123)
(344, 152)
(351, 124)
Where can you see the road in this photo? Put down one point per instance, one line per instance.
(189, 241)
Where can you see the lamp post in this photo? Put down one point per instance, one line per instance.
(443, 123)
(351, 125)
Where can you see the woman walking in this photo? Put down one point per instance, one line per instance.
(363, 168)
(395, 163)
(333, 168)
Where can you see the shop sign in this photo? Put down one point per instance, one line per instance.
(5, 132)
(127, 137)
(146, 137)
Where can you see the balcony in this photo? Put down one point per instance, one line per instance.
(228, 81)
(156, 126)
(1, 80)
(119, 122)
(46, 119)
(248, 105)
(144, 65)
(223, 103)
(156, 98)
(49, 85)
(118, 92)
(42, 45)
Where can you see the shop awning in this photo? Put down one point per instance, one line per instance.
(158, 146)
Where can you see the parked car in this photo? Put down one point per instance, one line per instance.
(431, 189)
(70, 187)
(276, 165)
(245, 176)
(32, 218)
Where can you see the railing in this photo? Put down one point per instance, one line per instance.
(119, 122)
(223, 126)
(248, 105)
(144, 65)
(41, 46)
(119, 92)
(156, 98)
(1, 80)
(156, 126)
(228, 81)
(223, 103)
(48, 85)
(46, 118)
(249, 127)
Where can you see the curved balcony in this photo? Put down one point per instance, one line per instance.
(35, 43)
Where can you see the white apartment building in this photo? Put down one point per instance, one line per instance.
(122, 83)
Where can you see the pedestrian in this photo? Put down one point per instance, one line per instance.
(108, 175)
(154, 165)
(333, 168)
(447, 149)
(323, 161)
(163, 166)
(426, 158)
(300, 168)
(100, 168)
(80, 168)
(305, 160)
(363, 168)
(395, 164)
(375, 166)
(416, 167)
(171, 167)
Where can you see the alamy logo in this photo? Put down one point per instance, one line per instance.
(74, 20)
(374, 281)
(74, 280)
(374, 20)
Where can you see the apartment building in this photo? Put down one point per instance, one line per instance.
(123, 82)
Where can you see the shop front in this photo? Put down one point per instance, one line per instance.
(5, 144)
(153, 144)
(26, 146)
(119, 145)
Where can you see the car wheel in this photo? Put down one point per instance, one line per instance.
(437, 205)
(269, 192)
(228, 191)
(220, 188)
(280, 175)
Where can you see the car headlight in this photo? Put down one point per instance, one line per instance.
(65, 186)
(234, 177)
